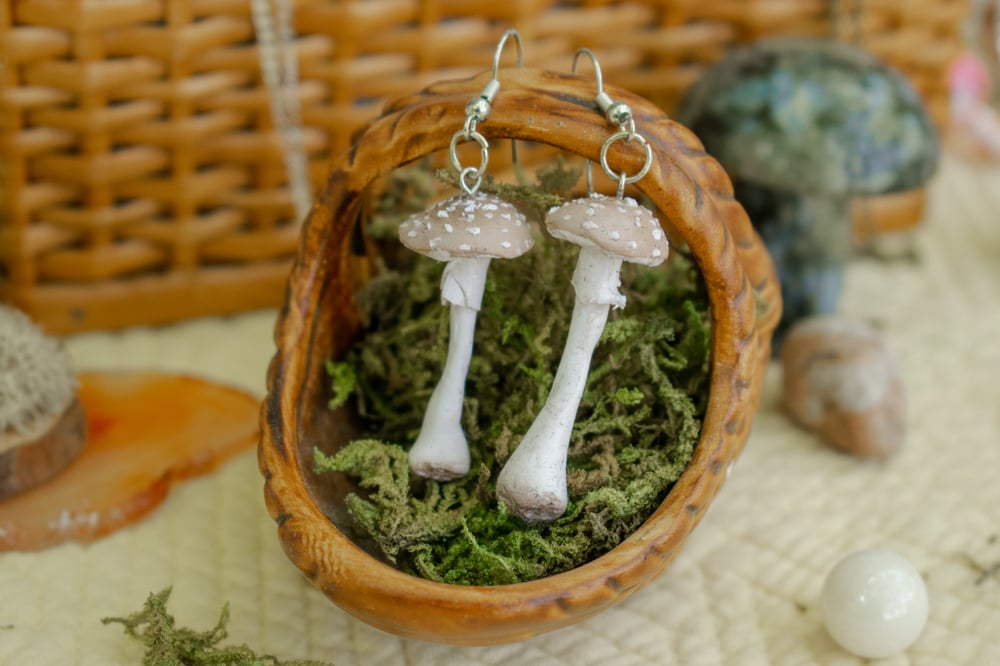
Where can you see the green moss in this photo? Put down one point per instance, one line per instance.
(169, 645)
(406, 188)
(636, 428)
(344, 382)
(383, 468)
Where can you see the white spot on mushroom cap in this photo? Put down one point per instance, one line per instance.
(486, 217)
(614, 225)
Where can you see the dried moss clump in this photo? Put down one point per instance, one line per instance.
(169, 645)
(36, 378)
(635, 432)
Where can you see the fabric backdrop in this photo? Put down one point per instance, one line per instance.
(744, 589)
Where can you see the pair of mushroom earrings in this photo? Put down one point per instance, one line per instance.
(470, 229)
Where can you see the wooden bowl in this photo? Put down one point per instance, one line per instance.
(693, 196)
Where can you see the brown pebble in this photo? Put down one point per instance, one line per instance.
(840, 380)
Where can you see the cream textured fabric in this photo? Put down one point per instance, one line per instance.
(744, 589)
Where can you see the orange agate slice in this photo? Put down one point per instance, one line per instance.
(146, 431)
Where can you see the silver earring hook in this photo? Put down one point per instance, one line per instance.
(597, 67)
(493, 85)
(600, 91)
(478, 110)
(510, 32)
(618, 113)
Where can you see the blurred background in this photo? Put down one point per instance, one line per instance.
(144, 162)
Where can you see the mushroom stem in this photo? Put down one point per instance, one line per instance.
(441, 451)
(532, 483)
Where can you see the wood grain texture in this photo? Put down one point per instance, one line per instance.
(26, 462)
(694, 199)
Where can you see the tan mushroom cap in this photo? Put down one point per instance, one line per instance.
(469, 225)
(618, 226)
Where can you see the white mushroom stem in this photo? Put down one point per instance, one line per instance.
(532, 483)
(466, 231)
(441, 451)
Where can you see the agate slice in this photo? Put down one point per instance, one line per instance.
(145, 432)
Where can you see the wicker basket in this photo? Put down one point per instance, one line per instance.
(142, 180)
(694, 200)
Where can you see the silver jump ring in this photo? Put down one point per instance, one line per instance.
(470, 172)
(470, 125)
(465, 172)
(622, 179)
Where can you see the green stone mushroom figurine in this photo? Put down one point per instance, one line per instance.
(803, 126)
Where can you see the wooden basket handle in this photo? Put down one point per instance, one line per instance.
(689, 189)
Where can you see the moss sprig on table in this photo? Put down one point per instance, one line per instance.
(169, 645)
(636, 428)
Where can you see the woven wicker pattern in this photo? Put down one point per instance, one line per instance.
(142, 179)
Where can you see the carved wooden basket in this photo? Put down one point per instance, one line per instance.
(691, 193)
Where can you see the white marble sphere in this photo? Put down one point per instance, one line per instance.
(874, 603)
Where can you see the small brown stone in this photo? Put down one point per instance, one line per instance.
(840, 380)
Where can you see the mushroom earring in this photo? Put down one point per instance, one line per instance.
(609, 230)
(466, 231)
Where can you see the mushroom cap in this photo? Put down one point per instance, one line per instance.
(618, 226)
(468, 225)
(815, 117)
